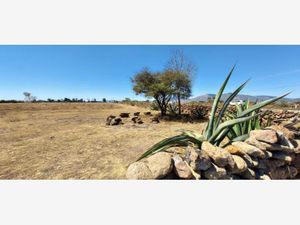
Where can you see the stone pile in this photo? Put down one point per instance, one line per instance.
(271, 153)
(277, 117)
(136, 119)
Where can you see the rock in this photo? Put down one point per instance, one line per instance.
(137, 120)
(139, 171)
(268, 136)
(296, 161)
(160, 164)
(248, 174)
(272, 164)
(137, 114)
(148, 113)
(235, 150)
(264, 177)
(109, 119)
(116, 121)
(181, 168)
(286, 132)
(124, 115)
(252, 141)
(155, 120)
(296, 144)
(215, 173)
(220, 156)
(284, 172)
(287, 157)
(249, 149)
(239, 164)
(204, 161)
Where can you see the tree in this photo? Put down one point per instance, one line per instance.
(181, 86)
(104, 100)
(183, 71)
(154, 85)
(29, 97)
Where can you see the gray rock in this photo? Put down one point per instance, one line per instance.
(204, 161)
(252, 141)
(272, 164)
(139, 171)
(215, 173)
(109, 119)
(160, 164)
(281, 129)
(268, 136)
(284, 172)
(137, 114)
(220, 156)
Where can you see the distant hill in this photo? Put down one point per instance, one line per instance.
(204, 98)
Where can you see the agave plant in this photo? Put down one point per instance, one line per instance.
(241, 131)
(216, 130)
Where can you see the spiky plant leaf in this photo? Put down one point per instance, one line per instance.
(227, 102)
(240, 138)
(228, 124)
(260, 105)
(210, 126)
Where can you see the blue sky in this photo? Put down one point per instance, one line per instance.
(104, 71)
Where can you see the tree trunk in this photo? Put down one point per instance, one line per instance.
(179, 104)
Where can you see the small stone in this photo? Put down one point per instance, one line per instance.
(137, 114)
(249, 149)
(148, 113)
(215, 173)
(268, 136)
(264, 177)
(124, 115)
(181, 168)
(220, 156)
(160, 164)
(239, 164)
(116, 121)
(139, 171)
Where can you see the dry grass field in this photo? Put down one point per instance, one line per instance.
(71, 140)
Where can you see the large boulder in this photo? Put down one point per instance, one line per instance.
(181, 168)
(160, 164)
(215, 173)
(268, 136)
(204, 162)
(220, 156)
(198, 159)
(249, 149)
(139, 171)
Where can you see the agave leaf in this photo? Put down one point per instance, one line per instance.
(240, 138)
(228, 124)
(227, 102)
(178, 140)
(260, 105)
(193, 134)
(210, 126)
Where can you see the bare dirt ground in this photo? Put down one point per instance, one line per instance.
(71, 140)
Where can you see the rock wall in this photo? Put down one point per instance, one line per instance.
(271, 153)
